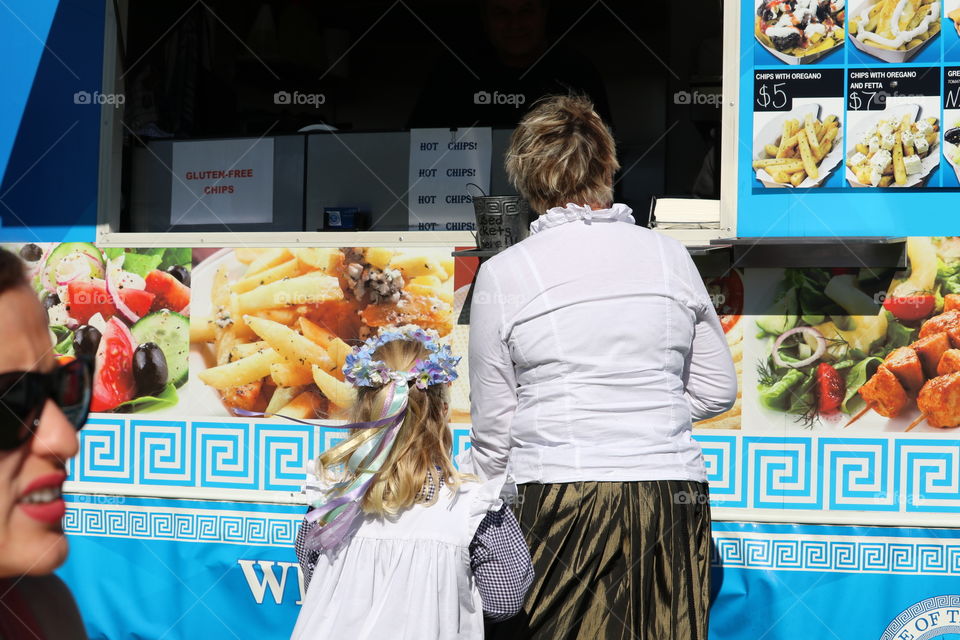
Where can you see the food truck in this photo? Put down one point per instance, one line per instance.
(229, 195)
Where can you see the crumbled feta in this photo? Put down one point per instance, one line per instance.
(907, 136)
(884, 128)
(875, 176)
(98, 322)
(924, 127)
(921, 145)
(913, 165)
(857, 159)
(865, 138)
(874, 145)
(881, 159)
(888, 141)
(132, 281)
(58, 315)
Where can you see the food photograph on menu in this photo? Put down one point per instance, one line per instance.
(859, 350)
(126, 310)
(895, 31)
(893, 128)
(799, 31)
(271, 329)
(798, 129)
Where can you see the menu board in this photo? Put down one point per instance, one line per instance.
(849, 117)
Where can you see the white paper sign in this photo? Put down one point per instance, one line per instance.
(442, 165)
(222, 182)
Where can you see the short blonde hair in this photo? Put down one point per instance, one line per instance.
(562, 152)
(421, 455)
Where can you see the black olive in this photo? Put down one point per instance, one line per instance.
(180, 273)
(953, 136)
(149, 369)
(49, 300)
(31, 252)
(784, 43)
(823, 10)
(86, 339)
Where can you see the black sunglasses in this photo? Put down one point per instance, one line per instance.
(23, 395)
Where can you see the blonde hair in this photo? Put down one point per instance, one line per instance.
(562, 152)
(421, 453)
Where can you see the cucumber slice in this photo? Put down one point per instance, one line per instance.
(171, 332)
(48, 274)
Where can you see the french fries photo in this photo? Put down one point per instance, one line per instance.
(282, 322)
(800, 29)
(892, 153)
(799, 152)
(896, 25)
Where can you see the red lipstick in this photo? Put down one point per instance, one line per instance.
(51, 512)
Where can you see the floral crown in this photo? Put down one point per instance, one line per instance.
(439, 367)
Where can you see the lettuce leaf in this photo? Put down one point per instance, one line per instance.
(856, 377)
(64, 335)
(164, 400)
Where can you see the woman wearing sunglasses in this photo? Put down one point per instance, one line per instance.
(42, 405)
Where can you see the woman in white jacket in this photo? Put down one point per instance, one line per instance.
(593, 347)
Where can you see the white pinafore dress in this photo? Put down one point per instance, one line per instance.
(407, 578)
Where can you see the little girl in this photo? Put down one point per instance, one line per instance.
(400, 545)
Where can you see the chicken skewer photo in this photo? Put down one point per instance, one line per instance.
(928, 370)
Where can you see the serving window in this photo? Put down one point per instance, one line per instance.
(302, 116)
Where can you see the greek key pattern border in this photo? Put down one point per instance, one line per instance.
(842, 554)
(113, 518)
(898, 474)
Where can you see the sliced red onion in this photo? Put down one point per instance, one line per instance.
(65, 281)
(820, 350)
(114, 275)
(48, 282)
(96, 262)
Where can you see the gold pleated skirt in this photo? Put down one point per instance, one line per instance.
(615, 561)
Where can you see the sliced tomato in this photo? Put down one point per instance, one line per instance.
(727, 296)
(169, 292)
(89, 297)
(830, 389)
(912, 307)
(113, 374)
